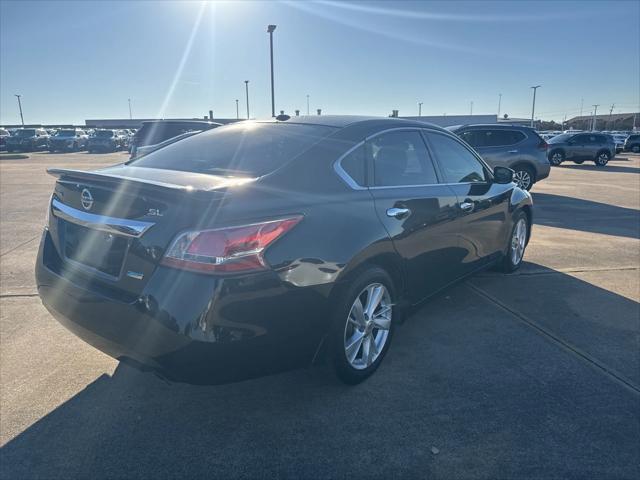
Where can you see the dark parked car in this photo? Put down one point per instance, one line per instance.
(518, 148)
(155, 132)
(28, 140)
(70, 139)
(4, 134)
(580, 147)
(260, 246)
(632, 143)
(107, 141)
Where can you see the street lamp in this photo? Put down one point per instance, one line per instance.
(533, 108)
(129, 100)
(307, 104)
(246, 87)
(270, 29)
(499, 103)
(20, 107)
(595, 113)
(237, 110)
(420, 109)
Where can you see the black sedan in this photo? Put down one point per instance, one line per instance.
(264, 245)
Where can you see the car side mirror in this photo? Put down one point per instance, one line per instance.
(502, 175)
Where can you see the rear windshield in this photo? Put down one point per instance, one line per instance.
(245, 148)
(103, 133)
(25, 133)
(152, 133)
(561, 138)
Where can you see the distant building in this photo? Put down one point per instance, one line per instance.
(616, 121)
(449, 120)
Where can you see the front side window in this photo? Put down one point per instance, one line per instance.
(400, 158)
(457, 163)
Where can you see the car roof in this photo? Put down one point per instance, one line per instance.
(341, 121)
(494, 126)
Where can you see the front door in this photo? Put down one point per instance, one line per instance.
(483, 205)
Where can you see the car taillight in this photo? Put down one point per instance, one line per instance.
(543, 145)
(226, 250)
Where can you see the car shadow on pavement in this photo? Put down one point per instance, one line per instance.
(585, 215)
(468, 390)
(608, 168)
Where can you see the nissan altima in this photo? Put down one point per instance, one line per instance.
(265, 245)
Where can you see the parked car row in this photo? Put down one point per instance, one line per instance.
(66, 140)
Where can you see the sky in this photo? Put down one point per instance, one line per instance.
(73, 61)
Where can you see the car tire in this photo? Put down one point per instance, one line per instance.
(602, 158)
(579, 162)
(356, 345)
(524, 176)
(517, 245)
(556, 157)
(635, 148)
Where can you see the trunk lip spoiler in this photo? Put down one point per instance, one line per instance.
(95, 175)
(117, 226)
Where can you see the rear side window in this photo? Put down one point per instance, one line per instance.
(457, 163)
(353, 164)
(492, 138)
(245, 148)
(400, 159)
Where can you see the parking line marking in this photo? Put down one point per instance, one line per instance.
(18, 246)
(612, 374)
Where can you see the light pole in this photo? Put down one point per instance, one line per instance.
(307, 104)
(533, 108)
(246, 87)
(270, 29)
(237, 110)
(610, 113)
(499, 103)
(595, 112)
(420, 109)
(471, 108)
(20, 107)
(129, 100)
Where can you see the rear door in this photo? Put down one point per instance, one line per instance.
(418, 212)
(483, 205)
(579, 148)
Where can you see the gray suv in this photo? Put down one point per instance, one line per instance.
(519, 148)
(580, 147)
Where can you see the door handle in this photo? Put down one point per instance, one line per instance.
(398, 212)
(512, 151)
(467, 206)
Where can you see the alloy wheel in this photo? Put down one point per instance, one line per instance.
(367, 327)
(603, 158)
(518, 241)
(556, 159)
(523, 179)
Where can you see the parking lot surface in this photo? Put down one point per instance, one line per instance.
(529, 375)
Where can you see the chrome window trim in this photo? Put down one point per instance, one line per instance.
(116, 226)
(337, 166)
(341, 172)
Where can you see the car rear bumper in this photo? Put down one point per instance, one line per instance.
(542, 170)
(192, 327)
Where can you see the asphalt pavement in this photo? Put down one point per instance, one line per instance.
(530, 375)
